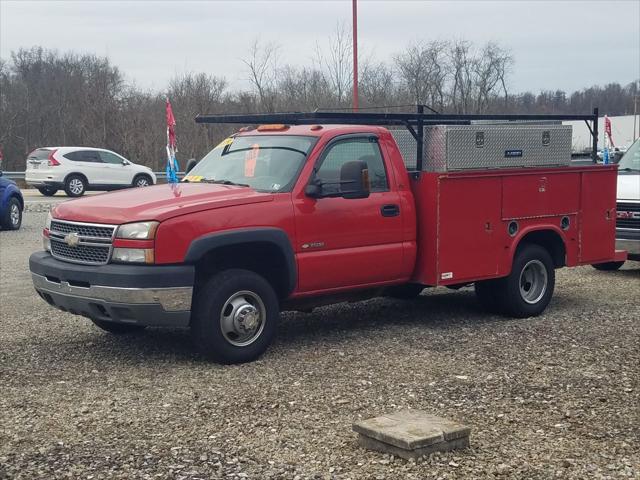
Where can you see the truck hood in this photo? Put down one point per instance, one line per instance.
(158, 202)
(629, 187)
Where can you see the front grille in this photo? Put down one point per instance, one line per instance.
(84, 230)
(82, 253)
(628, 215)
(76, 242)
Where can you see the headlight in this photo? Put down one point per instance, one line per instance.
(47, 225)
(133, 255)
(137, 231)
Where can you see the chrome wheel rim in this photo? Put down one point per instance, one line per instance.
(14, 215)
(533, 281)
(242, 318)
(142, 182)
(76, 187)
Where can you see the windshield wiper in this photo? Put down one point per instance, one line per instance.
(224, 182)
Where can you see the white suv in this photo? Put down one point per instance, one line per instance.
(78, 169)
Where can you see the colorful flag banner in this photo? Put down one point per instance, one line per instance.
(172, 147)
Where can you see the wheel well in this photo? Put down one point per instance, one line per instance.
(263, 258)
(86, 180)
(549, 240)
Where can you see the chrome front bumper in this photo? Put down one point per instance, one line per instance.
(629, 239)
(171, 299)
(631, 246)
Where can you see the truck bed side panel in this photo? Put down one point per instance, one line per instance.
(464, 217)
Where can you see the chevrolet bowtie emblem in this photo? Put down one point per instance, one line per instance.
(72, 239)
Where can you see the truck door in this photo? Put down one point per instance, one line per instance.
(349, 242)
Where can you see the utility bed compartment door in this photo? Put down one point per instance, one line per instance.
(469, 227)
(540, 195)
(598, 216)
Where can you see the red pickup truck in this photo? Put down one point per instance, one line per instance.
(285, 216)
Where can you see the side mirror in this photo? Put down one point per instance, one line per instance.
(192, 162)
(354, 180)
(314, 189)
(125, 163)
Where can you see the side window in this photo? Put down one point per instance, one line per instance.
(365, 149)
(83, 156)
(108, 157)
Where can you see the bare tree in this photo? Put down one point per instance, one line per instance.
(262, 66)
(423, 71)
(336, 64)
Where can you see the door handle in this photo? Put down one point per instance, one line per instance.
(390, 210)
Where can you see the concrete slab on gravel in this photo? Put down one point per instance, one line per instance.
(411, 434)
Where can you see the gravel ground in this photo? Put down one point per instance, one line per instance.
(554, 396)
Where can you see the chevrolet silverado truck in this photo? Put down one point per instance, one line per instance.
(301, 210)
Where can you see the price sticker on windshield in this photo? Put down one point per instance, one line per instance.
(192, 178)
(224, 143)
(250, 160)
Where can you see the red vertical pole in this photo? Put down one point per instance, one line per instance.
(355, 54)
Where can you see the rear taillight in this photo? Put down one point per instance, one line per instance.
(52, 161)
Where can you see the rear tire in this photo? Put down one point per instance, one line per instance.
(48, 191)
(404, 292)
(235, 316)
(12, 218)
(117, 328)
(75, 185)
(142, 180)
(528, 289)
(608, 267)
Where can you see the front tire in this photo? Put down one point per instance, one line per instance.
(142, 181)
(75, 186)
(117, 328)
(528, 289)
(608, 266)
(235, 316)
(48, 191)
(12, 218)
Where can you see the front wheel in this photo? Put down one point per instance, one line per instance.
(608, 266)
(528, 289)
(12, 218)
(75, 186)
(235, 316)
(142, 181)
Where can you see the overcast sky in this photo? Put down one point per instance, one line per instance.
(556, 44)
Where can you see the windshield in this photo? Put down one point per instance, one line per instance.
(264, 162)
(631, 160)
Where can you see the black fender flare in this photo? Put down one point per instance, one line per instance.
(275, 236)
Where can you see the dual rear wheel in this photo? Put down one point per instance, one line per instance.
(527, 290)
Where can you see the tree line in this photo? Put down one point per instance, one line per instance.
(49, 98)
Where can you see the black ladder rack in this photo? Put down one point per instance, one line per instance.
(412, 121)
